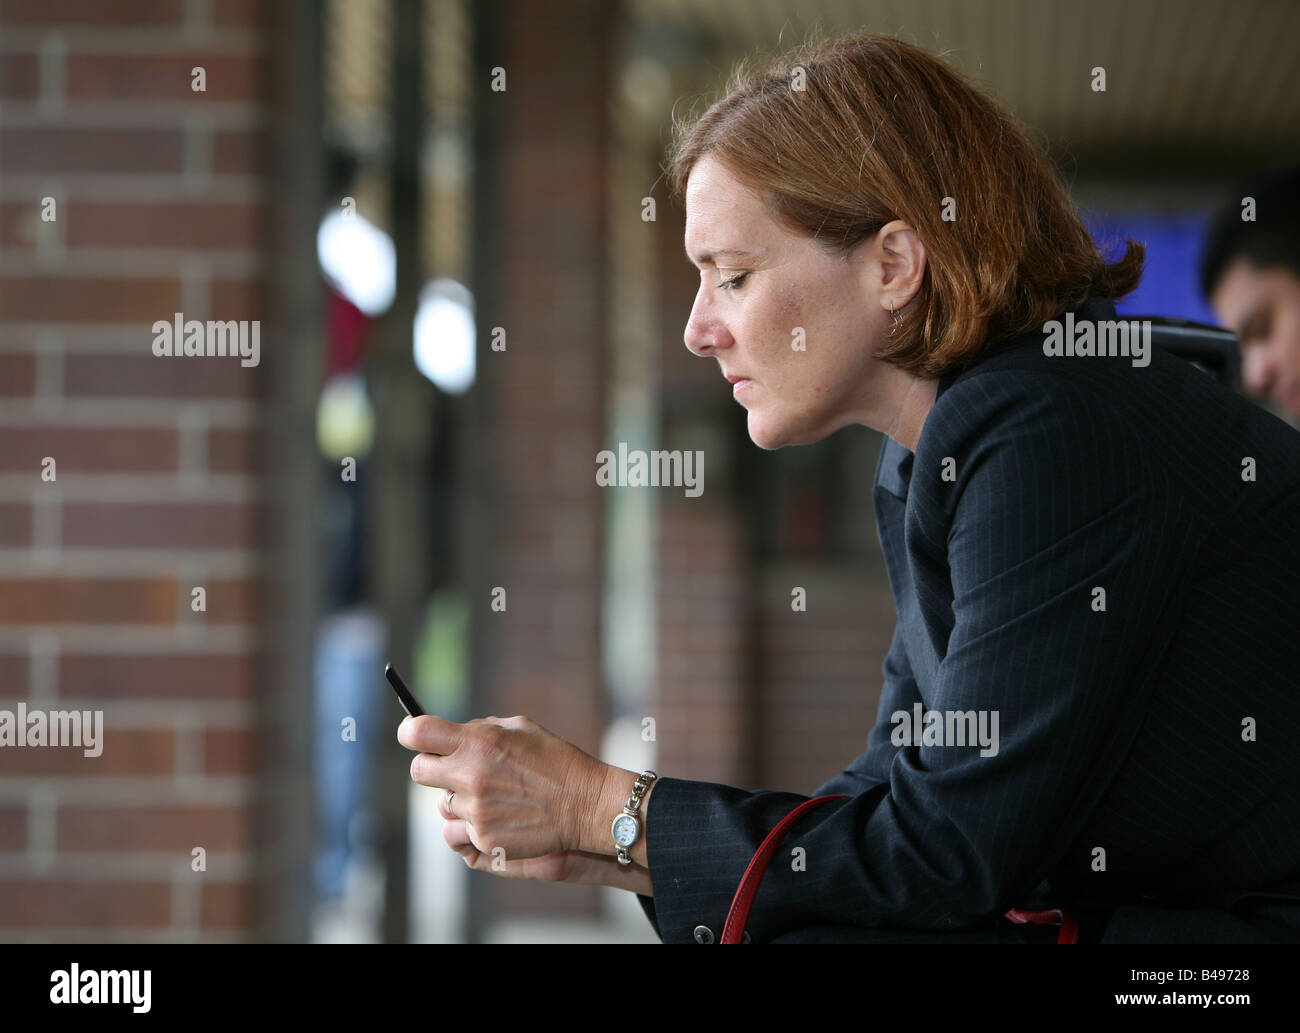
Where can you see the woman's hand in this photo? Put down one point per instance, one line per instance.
(521, 793)
(574, 866)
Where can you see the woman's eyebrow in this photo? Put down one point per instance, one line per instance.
(708, 257)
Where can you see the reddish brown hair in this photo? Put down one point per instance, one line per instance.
(884, 130)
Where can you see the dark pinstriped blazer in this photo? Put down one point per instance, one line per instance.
(1126, 778)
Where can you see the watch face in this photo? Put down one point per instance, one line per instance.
(625, 828)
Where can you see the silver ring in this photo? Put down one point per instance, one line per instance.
(450, 794)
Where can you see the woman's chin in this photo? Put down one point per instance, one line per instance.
(769, 434)
(764, 434)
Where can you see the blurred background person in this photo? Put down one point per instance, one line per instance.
(1250, 273)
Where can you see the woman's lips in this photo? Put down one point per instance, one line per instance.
(736, 381)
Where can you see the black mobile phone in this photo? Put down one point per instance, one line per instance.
(404, 696)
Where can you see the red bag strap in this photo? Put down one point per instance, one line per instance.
(748, 888)
(1052, 916)
(734, 928)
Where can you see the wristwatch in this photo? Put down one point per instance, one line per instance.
(627, 826)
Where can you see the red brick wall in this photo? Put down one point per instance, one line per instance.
(162, 206)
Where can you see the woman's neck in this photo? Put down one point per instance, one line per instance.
(917, 400)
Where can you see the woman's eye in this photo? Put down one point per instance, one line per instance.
(733, 283)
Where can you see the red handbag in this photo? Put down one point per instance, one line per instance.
(734, 927)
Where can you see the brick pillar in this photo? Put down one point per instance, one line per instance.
(546, 389)
(705, 675)
(819, 669)
(160, 206)
(706, 691)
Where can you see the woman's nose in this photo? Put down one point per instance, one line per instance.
(704, 334)
(696, 342)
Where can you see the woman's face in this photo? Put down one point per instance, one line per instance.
(799, 326)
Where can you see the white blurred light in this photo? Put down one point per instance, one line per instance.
(358, 258)
(444, 335)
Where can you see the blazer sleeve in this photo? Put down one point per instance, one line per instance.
(871, 768)
(1051, 501)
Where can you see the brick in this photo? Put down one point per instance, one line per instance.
(132, 77)
(54, 600)
(240, 299)
(179, 828)
(127, 752)
(13, 675)
(240, 152)
(182, 677)
(34, 903)
(196, 226)
(235, 451)
(226, 905)
(160, 525)
(19, 76)
(230, 751)
(135, 376)
(17, 375)
(65, 14)
(242, 14)
(15, 526)
(20, 221)
(13, 828)
(52, 151)
(88, 450)
(104, 299)
(232, 601)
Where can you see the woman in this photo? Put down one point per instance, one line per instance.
(1092, 554)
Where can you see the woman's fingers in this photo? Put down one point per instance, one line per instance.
(456, 835)
(429, 733)
(459, 835)
(433, 771)
(444, 807)
(437, 740)
(515, 782)
(552, 868)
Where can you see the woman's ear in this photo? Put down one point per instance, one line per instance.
(902, 261)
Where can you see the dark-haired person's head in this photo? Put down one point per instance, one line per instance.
(865, 217)
(1250, 274)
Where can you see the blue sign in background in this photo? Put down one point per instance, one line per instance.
(1174, 241)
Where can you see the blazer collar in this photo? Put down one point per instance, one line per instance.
(1090, 308)
(894, 468)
